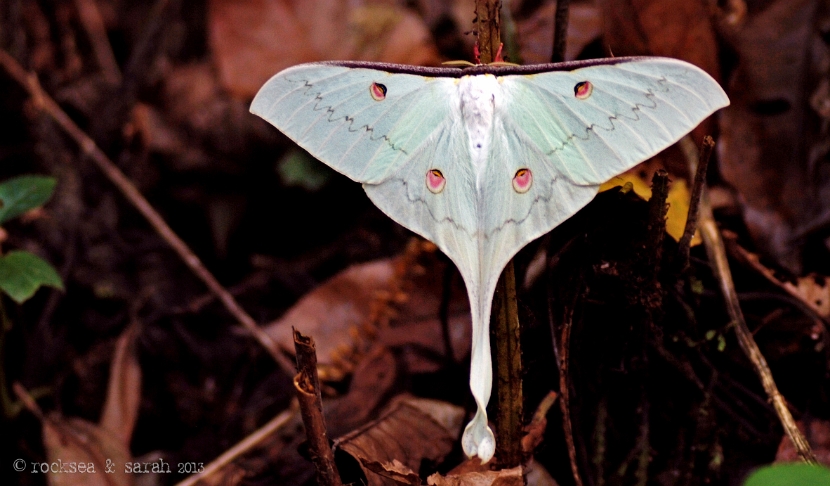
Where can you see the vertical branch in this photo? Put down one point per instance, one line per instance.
(694, 202)
(307, 386)
(564, 389)
(657, 209)
(600, 444)
(508, 371)
(506, 325)
(643, 444)
(560, 32)
(716, 252)
(488, 28)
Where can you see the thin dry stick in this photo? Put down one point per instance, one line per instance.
(720, 266)
(44, 102)
(643, 444)
(504, 319)
(560, 34)
(93, 23)
(508, 371)
(535, 430)
(694, 203)
(488, 28)
(243, 446)
(307, 386)
(564, 390)
(657, 210)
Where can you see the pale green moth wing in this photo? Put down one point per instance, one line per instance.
(330, 111)
(633, 111)
(483, 160)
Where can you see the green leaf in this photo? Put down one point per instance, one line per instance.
(298, 168)
(790, 474)
(22, 193)
(22, 273)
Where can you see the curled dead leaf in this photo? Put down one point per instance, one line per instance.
(410, 430)
(87, 446)
(505, 477)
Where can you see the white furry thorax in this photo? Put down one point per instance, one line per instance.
(479, 96)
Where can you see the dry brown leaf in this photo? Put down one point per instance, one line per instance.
(330, 312)
(395, 302)
(254, 39)
(80, 452)
(420, 340)
(124, 389)
(371, 383)
(410, 430)
(814, 291)
(505, 477)
(85, 445)
(761, 148)
(396, 471)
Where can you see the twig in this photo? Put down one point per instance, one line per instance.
(656, 230)
(694, 203)
(564, 390)
(307, 386)
(255, 280)
(685, 368)
(43, 102)
(560, 31)
(152, 27)
(720, 266)
(552, 325)
(504, 318)
(93, 23)
(784, 299)
(552, 262)
(488, 29)
(111, 115)
(600, 441)
(643, 444)
(242, 447)
(536, 428)
(508, 371)
(808, 306)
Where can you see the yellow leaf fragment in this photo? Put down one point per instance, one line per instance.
(678, 200)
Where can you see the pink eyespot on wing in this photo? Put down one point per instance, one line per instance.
(378, 91)
(435, 181)
(583, 89)
(522, 181)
